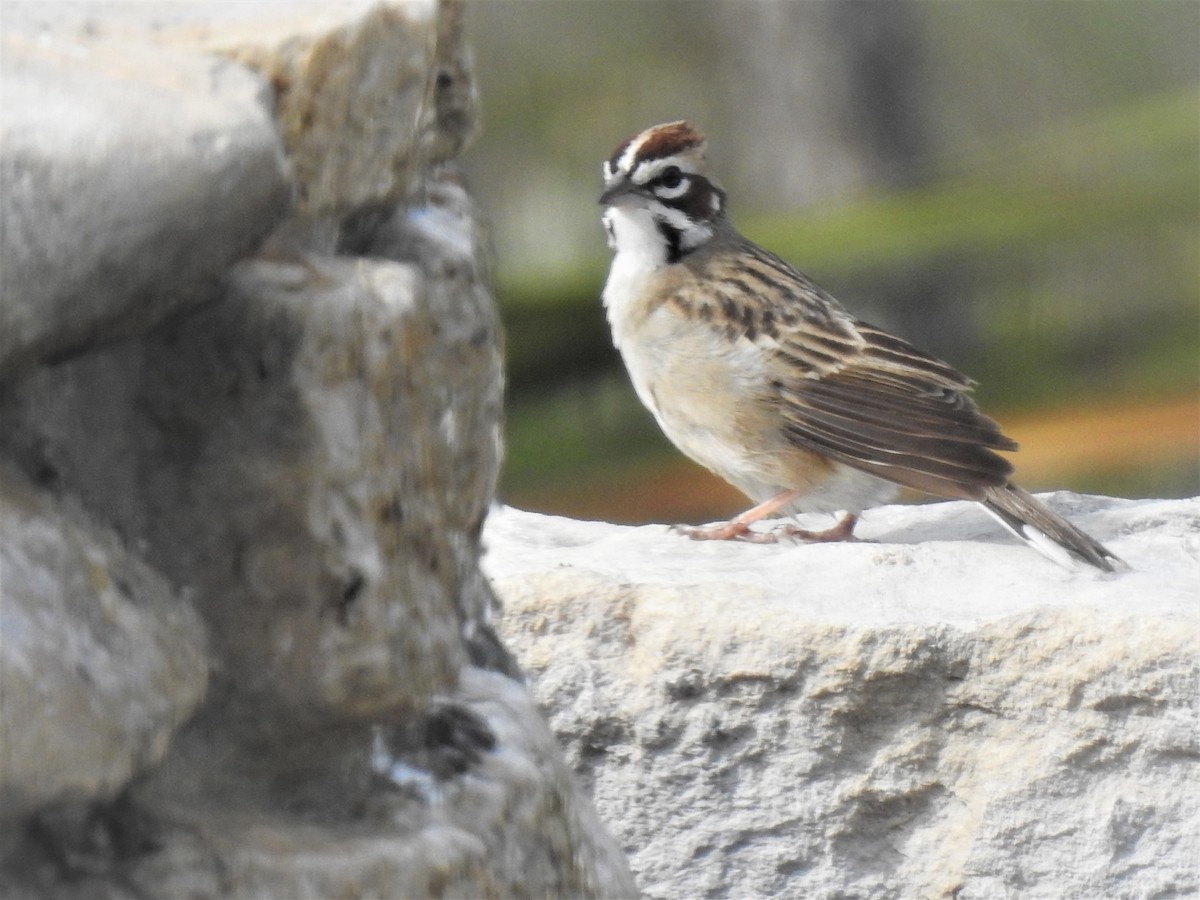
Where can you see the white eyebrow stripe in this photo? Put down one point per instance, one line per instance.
(625, 163)
(654, 167)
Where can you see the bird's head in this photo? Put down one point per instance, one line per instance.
(657, 189)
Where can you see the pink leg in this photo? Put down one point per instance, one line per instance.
(739, 528)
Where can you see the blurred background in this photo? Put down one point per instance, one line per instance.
(1014, 186)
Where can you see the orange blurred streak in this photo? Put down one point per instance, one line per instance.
(1109, 437)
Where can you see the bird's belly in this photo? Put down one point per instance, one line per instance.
(706, 400)
(712, 399)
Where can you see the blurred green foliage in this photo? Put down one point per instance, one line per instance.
(1068, 251)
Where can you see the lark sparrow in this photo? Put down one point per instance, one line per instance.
(758, 374)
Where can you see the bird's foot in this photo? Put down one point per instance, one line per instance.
(842, 531)
(738, 529)
(726, 531)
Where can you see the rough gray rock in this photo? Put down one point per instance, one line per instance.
(322, 425)
(503, 821)
(364, 106)
(100, 659)
(303, 463)
(132, 178)
(478, 804)
(935, 712)
(332, 425)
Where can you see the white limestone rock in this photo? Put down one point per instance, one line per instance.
(933, 712)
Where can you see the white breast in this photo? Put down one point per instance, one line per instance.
(696, 382)
(639, 252)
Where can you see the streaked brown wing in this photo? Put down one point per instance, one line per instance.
(849, 390)
(889, 409)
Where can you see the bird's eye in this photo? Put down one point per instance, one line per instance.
(671, 177)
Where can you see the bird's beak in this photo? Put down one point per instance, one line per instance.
(623, 191)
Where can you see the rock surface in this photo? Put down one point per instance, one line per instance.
(935, 712)
(473, 802)
(100, 662)
(133, 177)
(356, 96)
(247, 643)
(307, 418)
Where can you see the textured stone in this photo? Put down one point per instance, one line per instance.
(100, 660)
(132, 178)
(322, 443)
(508, 823)
(312, 455)
(308, 458)
(504, 820)
(367, 94)
(936, 712)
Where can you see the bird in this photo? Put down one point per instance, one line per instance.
(758, 374)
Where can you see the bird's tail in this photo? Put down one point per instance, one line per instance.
(1045, 530)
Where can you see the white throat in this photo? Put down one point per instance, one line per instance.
(640, 247)
(633, 234)
(638, 250)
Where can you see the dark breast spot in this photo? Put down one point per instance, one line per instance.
(767, 324)
(748, 327)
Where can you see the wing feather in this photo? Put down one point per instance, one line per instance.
(858, 394)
